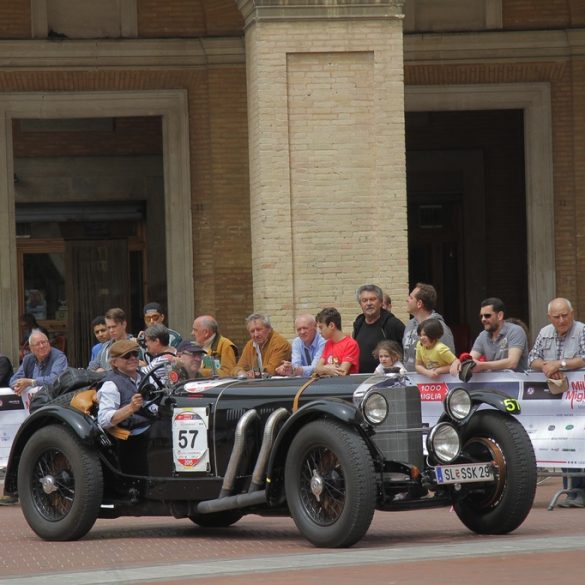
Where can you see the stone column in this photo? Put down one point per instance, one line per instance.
(327, 153)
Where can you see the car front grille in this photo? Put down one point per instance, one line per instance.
(399, 437)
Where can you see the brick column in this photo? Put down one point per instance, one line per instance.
(327, 153)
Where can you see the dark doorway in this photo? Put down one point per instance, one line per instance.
(467, 212)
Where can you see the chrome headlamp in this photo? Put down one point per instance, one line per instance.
(458, 404)
(374, 408)
(444, 442)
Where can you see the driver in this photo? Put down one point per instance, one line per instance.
(118, 397)
(121, 404)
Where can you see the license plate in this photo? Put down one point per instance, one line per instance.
(471, 472)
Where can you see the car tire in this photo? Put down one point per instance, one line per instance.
(217, 519)
(60, 484)
(500, 507)
(329, 456)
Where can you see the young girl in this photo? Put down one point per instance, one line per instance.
(433, 357)
(389, 353)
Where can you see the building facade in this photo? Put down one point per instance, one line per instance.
(225, 156)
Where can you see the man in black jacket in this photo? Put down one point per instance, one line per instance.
(374, 325)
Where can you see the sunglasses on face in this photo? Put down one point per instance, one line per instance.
(149, 318)
(132, 354)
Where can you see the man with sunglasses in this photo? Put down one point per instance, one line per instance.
(119, 401)
(153, 315)
(503, 345)
(121, 405)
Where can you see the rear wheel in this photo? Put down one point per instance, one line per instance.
(500, 507)
(330, 484)
(60, 484)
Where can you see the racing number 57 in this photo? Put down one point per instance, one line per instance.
(184, 438)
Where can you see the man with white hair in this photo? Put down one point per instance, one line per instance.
(306, 349)
(560, 345)
(41, 366)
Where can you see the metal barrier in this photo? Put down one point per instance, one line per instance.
(569, 475)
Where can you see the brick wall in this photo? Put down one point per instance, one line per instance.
(536, 14)
(15, 19)
(127, 137)
(188, 18)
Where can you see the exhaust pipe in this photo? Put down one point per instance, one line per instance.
(267, 442)
(231, 503)
(232, 468)
(254, 497)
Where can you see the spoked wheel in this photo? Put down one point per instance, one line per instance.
(499, 507)
(330, 484)
(60, 484)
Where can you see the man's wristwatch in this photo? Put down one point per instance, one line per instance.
(563, 363)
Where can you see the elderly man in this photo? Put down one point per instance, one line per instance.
(306, 349)
(265, 351)
(561, 345)
(373, 325)
(421, 305)
(222, 354)
(40, 367)
(120, 404)
(501, 345)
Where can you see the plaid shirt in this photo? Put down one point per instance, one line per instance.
(545, 337)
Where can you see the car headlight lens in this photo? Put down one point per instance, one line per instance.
(375, 408)
(458, 403)
(444, 442)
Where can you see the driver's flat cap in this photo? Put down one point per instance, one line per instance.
(123, 346)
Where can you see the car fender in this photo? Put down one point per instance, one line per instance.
(491, 397)
(337, 409)
(85, 429)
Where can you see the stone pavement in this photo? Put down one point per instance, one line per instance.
(400, 547)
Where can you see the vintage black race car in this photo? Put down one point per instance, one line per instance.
(326, 451)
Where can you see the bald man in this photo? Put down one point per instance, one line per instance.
(221, 354)
(306, 349)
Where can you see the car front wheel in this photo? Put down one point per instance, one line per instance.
(330, 484)
(499, 507)
(60, 484)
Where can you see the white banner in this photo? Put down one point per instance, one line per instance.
(12, 413)
(555, 423)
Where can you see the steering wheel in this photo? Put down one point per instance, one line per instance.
(146, 387)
